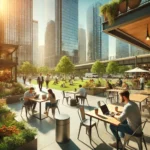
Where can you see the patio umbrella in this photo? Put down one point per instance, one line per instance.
(136, 70)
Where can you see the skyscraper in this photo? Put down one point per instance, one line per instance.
(50, 44)
(16, 26)
(35, 43)
(97, 41)
(66, 17)
(82, 45)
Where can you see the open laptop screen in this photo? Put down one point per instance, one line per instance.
(105, 109)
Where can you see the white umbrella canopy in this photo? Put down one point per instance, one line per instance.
(136, 70)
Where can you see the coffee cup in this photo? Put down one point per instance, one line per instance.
(112, 114)
(96, 111)
(116, 108)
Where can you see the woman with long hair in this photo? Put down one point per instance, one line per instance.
(52, 103)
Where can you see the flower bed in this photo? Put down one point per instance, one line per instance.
(13, 134)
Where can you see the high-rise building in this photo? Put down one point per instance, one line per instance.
(50, 44)
(82, 45)
(66, 19)
(97, 41)
(122, 49)
(16, 26)
(35, 43)
(41, 56)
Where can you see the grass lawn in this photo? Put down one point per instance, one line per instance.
(67, 88)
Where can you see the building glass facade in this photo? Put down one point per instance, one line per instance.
(66, 17)
(16, 26)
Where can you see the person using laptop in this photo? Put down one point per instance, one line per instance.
(130, 119)
(28, 95)
(81, 93)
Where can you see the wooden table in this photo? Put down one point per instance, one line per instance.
(105, 118)
(115, 91)
(145, 92)
(39, 115)
(138, 98)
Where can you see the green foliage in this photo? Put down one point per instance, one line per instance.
(122, 69)
(45, 70)
(98, 68)
(110, 11)
(3, 146)
(148, 83)
(112, 67)
(27, 68)
(65, 66)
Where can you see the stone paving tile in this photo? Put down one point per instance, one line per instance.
(46, 128)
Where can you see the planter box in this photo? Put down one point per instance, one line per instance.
(95, 90)
(13, 99)
(29, 146)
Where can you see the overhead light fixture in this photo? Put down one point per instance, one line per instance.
(147, 36)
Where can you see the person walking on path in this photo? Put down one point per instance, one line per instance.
(24, 79)
(47, 79)
(40, 81)
(142, 81)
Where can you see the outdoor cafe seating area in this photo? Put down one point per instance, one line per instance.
(96, 133)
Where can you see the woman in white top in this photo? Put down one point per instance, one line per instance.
(47, 79)
(52, 103)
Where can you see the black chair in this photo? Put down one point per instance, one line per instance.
(27, 107)
(54, 107)
(83, 100)
(85, 122)
(65, 97)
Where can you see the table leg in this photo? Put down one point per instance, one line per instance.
(90, 129)
(140, 106)
(40, 110)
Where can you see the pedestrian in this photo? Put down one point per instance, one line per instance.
(40, 81)
(24, 79)
(142, 81)
(47, 79)
(30, 79)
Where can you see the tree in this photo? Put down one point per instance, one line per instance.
(98, 68)
(65, 66)
(122, 69)
(45, 70)
(112, 67)
(27, 68)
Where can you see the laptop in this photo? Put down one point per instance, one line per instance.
(36, 96)
(105, 109)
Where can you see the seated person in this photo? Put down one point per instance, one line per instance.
(63, 85)
(130, 119)
(108, 85)
(28, 95)
(125, 86)
(81, 93)
(71, 82)
(119, 82)
(52, 103)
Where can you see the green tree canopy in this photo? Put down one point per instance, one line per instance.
(45, 70)
(98, 68)
(65, 66)
(122, 69)
(27, 68)
(112, 67)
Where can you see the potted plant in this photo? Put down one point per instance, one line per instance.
(110, 11)
(123, 5)
(133, 3)
(147, 85)
(103, 11)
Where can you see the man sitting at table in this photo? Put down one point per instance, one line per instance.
(28, 95)
(130, 119)
(81, 93)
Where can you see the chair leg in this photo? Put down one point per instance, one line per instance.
(87, 102)
(105, 124)
(97, 123)
(79, 131)
(139, 142)
(67, 99)
(21, 110)
(145, 143)
(125, 142)
(97, 130)
(63, 101)
(26, 109)
(53, 112)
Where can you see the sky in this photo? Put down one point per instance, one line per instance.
(44, 10)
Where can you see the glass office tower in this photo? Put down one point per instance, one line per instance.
(66, 17)
(16, 26)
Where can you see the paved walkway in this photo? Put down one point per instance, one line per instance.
(46, 127)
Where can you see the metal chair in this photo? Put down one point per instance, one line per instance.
(65, 97)
(109, 97)
(83, 100)
(99, 105)
(27, 107)
(85, 122)
(54, 107)
(138, 137)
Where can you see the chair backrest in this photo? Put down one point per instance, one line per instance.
(81, 113)
(141, 126)
(21, 99)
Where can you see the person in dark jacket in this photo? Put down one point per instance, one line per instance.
(40, 81)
